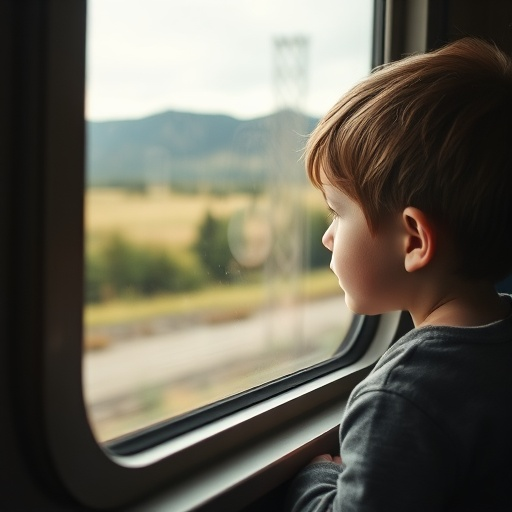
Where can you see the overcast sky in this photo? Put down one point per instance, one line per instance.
(216, 56)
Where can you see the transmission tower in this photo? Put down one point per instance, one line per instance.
(290, 72)
(286, 181)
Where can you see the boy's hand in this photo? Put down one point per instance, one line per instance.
(326, 458)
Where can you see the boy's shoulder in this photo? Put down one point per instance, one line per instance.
(445, 361)
(457, 380)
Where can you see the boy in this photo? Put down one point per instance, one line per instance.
(415, 164)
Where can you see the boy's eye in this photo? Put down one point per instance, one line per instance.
(332, 214)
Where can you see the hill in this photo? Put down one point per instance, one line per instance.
(179, 148)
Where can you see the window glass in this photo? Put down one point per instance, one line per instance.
(205, 274)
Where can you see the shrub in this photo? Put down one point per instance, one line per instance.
(212, 248)
(121, 268)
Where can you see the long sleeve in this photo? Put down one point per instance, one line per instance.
(314, 488)
(429, 429)
(395, 458)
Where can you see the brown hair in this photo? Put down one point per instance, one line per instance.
(433, 131)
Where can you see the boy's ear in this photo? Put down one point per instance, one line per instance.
(420, 239)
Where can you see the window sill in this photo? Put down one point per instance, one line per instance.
(269, 458)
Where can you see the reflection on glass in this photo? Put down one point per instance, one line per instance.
(205, 275)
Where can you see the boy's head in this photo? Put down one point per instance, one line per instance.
(432, 131)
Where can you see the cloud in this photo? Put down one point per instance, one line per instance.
(205, 56)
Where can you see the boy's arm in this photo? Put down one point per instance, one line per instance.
(314, 488)
(394, 458)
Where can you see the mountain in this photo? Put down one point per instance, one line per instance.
(179, 148)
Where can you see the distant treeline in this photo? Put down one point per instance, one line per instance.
(120, 268)
(217, 188)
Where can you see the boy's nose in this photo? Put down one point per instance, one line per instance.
(327, 239)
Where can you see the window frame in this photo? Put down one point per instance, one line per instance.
(354, 345)
(204, 466)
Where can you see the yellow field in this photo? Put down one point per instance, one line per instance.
(161, 217)
(164, 219)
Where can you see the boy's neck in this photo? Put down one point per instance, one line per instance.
(460, 303)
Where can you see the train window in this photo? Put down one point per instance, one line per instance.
(205, 276)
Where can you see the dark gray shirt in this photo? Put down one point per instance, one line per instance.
(429, 429)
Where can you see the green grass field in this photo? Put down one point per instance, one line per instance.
(219, 299)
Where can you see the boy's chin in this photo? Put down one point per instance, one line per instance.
(353, 306)
(362, 307)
